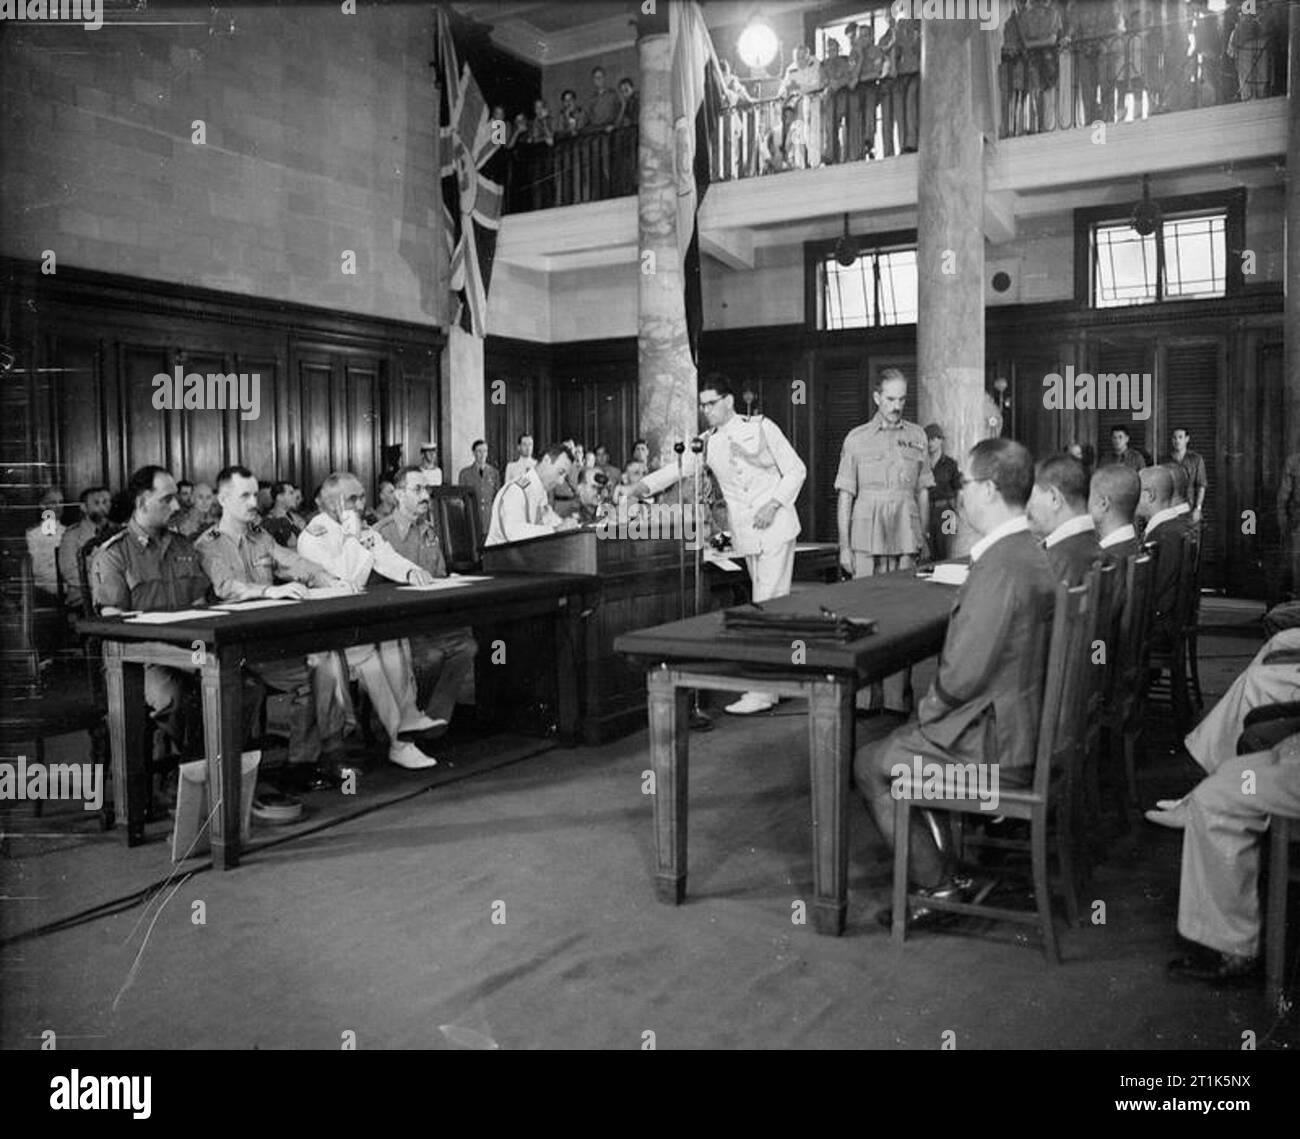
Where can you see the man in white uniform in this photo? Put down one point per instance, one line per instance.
(337, 540)
(430, 472)
(760, 476)
(522, 507)
(524, 462)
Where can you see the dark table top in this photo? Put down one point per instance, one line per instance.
(911, 618)
(384, 602)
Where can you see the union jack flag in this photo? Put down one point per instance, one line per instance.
(471, 198)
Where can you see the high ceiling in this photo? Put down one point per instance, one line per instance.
(545, 33)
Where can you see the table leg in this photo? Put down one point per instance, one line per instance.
(669, 754)
(568, 630)
(222, 730)
(830, 755)
(124, 687)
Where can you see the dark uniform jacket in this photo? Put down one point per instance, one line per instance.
(1071, 558)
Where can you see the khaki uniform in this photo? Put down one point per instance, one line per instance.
(444, 660)
(1288, 516)
(240, 569)
(135, 571)
(885, 469)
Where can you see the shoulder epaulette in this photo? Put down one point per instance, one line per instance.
(104, 545)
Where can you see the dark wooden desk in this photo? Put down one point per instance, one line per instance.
(217, 647)
(912, 618)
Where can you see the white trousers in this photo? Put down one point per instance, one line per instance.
(1215, 739)
(770, 573)
(1218, 901)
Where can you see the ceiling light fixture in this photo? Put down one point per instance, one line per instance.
(758, 44)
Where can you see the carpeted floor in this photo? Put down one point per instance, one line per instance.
(514, 908)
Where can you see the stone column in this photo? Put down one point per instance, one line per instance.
(1291, 330)
(666, 377)
(461, 414)
(950, 237)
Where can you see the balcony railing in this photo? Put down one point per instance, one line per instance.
(1071, 85)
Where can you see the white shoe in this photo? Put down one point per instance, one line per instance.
(421, 723)
(1170, 804)
(409, 756)
(752, 703)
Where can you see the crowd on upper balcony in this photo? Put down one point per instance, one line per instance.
(1064, 64)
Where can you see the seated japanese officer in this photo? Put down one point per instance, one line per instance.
(1112, 501)
(1165, 531)
(443, 659)
(984, 704)
(338, 540)
(243, 561)
(1058, 514)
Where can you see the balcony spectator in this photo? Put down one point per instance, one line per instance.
(902, 44)
(837, 71)
(741, 159)
(518, 131)
(1248, 50)
(1207, 36)
(604, 105)
(539, 127)
(802, 79)
(1041, 28)
(1094, 30)
(1014, 74)
(1275, 16)
(1174, 91)
(572, 118)
(867, 65)
(629, 113)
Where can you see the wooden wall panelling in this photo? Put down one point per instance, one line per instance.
(1194, 393)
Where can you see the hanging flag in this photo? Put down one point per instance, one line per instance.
(471, 197)
(697, 105)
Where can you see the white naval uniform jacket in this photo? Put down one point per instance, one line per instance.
(521, 510)
(754, 464)
(351, 557)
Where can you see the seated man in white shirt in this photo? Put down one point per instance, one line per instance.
(337, 540)
(522, 508)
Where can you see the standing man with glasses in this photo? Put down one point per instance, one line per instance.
(760, 476)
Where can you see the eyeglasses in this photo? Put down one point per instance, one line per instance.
(705, 404)
(961, 480)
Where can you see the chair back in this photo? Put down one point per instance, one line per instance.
(1103, 588)
(1060, 726)
(91, 648)
(1189, 580)
(84, 556)
(459, 526)
(1135, 623)
(20, 671)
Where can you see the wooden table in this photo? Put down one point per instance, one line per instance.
(912, 618)
(218, 647)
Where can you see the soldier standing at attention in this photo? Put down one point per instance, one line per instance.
(484, 480)
(760, 476)
(884, 482)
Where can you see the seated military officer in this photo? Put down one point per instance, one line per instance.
(243, 561)
(147, 567)
(521, 508)
(337, 539)
(445, 657)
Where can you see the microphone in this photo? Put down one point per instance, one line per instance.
(697, 444)
(680, 448)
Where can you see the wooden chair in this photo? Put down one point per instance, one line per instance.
(1283, 831)
(1123, 707)
(1058, 741)
(1097, 687)
(20, 661)
(1172, 658)
(459, 527)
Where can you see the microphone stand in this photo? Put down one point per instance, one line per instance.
(699, 722)
(680, 448)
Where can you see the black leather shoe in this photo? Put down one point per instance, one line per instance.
(957, 888)
(310, 777)
(1225, 970)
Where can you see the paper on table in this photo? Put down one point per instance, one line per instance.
(441, 583)
(176, 615)
(261, 603)
(950, 573)
(322, 592)
(715, 558)
(472, 577)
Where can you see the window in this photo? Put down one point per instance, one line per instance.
(1185, 259)
(878, 289)
(1194, 252)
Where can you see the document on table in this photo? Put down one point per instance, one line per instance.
(949, 573)
(169, 618)
(261, 603)
(441, 583)
(715, 558)
(323, 592)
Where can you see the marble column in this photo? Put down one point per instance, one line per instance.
(1291, 330)
(666, 377)
(950, 237)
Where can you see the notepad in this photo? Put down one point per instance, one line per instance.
(714, 558)
(950, 573)
(169, 618)
(265, 603)
(472, 577)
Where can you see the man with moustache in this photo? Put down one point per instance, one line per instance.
(96, 501)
